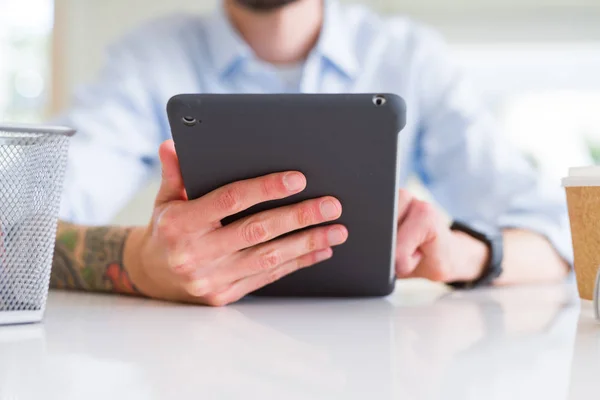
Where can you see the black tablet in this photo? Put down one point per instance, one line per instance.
(346, 146)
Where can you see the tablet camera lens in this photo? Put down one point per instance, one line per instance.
(189, 121)
(379, 100)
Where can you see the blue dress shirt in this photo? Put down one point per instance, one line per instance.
(451, 141)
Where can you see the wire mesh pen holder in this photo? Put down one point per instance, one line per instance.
(33, 161)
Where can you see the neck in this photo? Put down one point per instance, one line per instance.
(281, 36)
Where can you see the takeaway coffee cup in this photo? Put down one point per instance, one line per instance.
(582, 187)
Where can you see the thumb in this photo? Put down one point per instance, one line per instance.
(171, 187)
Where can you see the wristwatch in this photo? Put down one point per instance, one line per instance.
(493, 240)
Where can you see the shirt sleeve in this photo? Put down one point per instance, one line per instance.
(470, 166)
(118, 134)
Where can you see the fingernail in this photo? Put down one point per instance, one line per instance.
(329, 209)
(323, 255)
(293, 181)
(336, 236)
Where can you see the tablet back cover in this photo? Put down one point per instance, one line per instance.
(345, 144)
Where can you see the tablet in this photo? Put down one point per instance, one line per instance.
(346, 146)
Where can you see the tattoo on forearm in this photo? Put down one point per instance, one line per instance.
(90, 259)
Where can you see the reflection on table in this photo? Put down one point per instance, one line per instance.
(423, 342)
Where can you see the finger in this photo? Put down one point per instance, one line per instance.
(404, 200)
(248, 285)
(416, 230)
(406, 265)
(267, 257)
(234, 198)
(249, 232)
(172, 187)
(430, 266)
(417, 262)
(268, 225)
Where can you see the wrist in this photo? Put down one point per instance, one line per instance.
(132, 260)
(471, 256)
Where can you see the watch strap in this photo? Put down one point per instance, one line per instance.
(493, 268)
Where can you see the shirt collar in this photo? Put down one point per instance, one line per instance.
(335, 40)
(228, 49)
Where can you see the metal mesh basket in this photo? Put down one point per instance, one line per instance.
(33, 160)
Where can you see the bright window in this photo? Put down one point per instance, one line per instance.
(25, 43)
(547, 98)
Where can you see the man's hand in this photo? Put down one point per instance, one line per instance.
(427, 248)
(185, 254)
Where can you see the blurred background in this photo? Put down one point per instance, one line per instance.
(537, 61)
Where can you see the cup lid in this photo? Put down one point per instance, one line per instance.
(583, 176)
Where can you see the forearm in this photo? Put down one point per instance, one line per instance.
(530, 258)
(90, 259)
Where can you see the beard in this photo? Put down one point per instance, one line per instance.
(264, 5)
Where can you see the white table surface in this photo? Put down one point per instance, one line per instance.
(423, 342)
